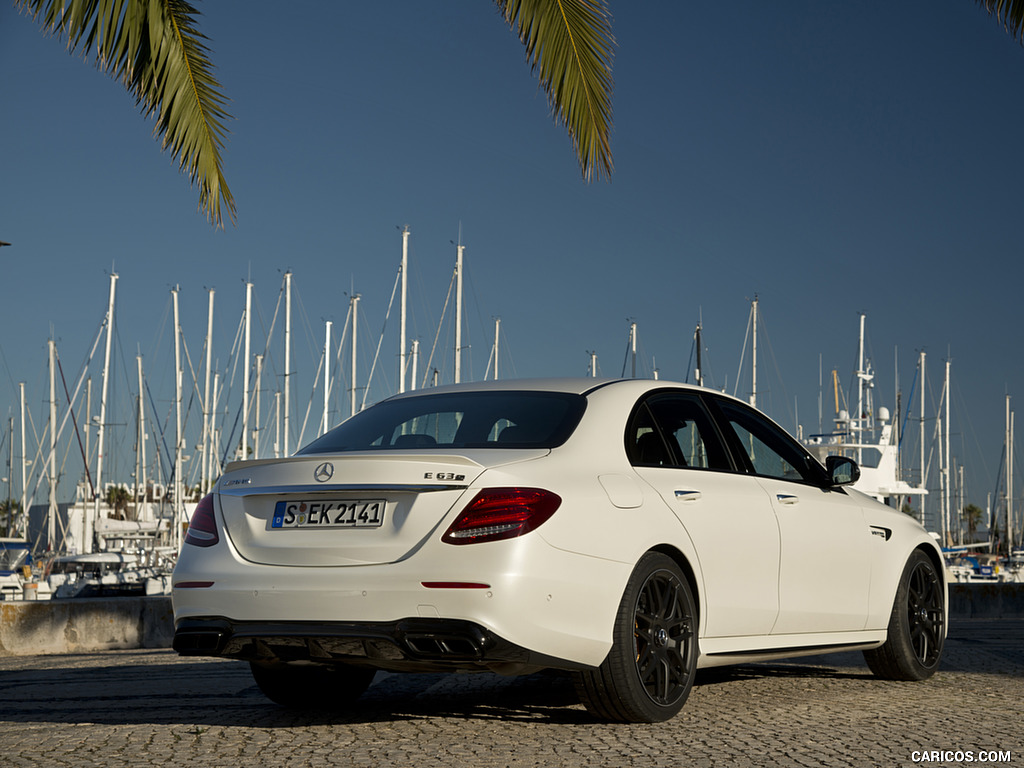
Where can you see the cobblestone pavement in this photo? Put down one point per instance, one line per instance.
(153, 708)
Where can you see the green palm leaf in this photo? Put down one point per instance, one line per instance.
(569, 44)
(1010, 14)
(153, 47)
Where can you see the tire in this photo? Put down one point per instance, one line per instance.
(917, 626)
(311, 686)
(649, 670)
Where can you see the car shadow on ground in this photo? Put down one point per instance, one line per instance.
(205, 693)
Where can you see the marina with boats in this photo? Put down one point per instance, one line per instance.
(113, 536)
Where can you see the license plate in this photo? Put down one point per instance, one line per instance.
(328, 514)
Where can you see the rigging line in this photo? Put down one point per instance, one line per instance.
(507, 346)
(490, 357)
(961, 408)
(440, 323)
(908, 408)
(380, 338)
(159, 428)
(689, 361)
(195, 394)
(479, 318)
(7, 370)
(309, 405)
(81, 448)
(421, 304)
(778, 373)
(304, 316)
(235, 350)
(81, 379)
(273, 321)
(231, 436)
(35, 460)
(743, 352)
(269, 333)
(338, 366)
(366, 332)
(625, 359)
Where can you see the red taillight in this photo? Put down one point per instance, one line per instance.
(502, 513)
(202, 528)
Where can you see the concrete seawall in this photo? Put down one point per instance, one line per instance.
(100, 624)
(86, 624)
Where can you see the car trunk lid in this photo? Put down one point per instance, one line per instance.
(356, 509)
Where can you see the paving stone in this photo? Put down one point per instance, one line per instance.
(154, 708)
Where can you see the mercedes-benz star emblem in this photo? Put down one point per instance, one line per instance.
(324, 472)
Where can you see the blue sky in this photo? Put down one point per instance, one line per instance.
(829, 158)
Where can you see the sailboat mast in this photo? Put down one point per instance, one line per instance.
(753, 355)
(945, 468)
(51, 517)
(699, 373)
(327, 375)
(214, 443)
(415, 362)
(857, 423)
(140, 454)
(10, 476)
(24, 463)
(632, 350)
(458, 313)
(497, 335)
(103, 396)
(924, 479)
(355, 326)
(401, 341)
(245, 382)
(1009, 478)
(256, 434)
(287, 356)
(277, 425)
(205, 477)
(179, 438)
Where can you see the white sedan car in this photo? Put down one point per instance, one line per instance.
(629, 531)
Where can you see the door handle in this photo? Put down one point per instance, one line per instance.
(688, 496)
(787, 499)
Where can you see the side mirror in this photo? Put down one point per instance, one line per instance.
(841, 470)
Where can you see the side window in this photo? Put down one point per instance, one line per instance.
(645, 446)
(770, 451)
(672, 429)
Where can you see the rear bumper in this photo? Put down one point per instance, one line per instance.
(411, 645)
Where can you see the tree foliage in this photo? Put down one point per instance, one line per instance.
(570, 46)
(154, 48)
(1009, 13)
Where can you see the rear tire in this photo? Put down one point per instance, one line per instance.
(917, 626)
(311, 686)
(649, 670)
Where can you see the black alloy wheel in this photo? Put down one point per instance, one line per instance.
(917, 625)
(649, 670)
(664, 627)
(925, 614)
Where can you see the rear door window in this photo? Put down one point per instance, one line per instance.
(673, 429)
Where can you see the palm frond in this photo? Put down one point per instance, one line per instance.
(569, 44)
(1009, 13)
(155, 50)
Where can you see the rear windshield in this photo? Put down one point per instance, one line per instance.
(458, 420)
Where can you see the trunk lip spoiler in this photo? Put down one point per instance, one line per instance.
(320, 489)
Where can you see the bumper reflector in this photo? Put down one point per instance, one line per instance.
(454, 585)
